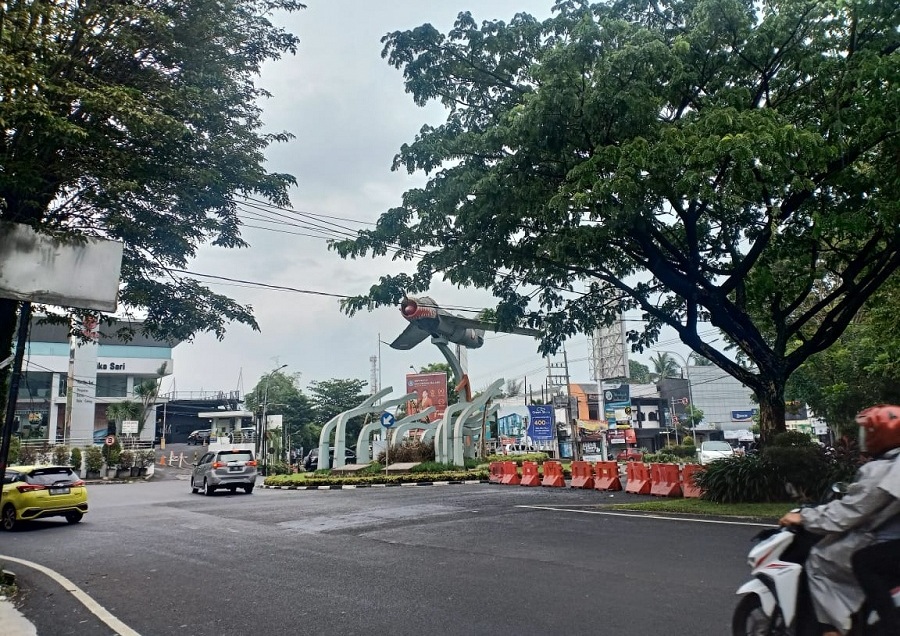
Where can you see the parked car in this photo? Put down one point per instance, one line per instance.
(100, 436)
(36, 492)
(711, 451)
(199, 438)
(311, 461)
(629, 455)
(229, 469)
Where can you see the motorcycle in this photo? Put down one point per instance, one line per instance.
(775, 602)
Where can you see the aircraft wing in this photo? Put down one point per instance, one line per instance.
(410, 337)
(471, 323)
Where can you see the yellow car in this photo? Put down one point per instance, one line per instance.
(35, 492)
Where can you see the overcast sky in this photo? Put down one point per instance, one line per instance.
(350, 114)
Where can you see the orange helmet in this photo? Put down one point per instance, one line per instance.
(879, 428)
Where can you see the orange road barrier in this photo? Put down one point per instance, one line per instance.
(162, 460)
(530, 474)
(665, 480)
(510, 473)
(496, 470)
(688, 487)
(637, 478)
(553, 475)
(582, 475)
(607, 476)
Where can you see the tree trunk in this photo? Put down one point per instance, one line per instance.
(771, 410)
(8, 317)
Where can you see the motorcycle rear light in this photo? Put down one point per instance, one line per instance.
(29, 487)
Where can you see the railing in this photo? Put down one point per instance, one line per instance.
(78, 442)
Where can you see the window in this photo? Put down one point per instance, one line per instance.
(35, 385)
(112, 386)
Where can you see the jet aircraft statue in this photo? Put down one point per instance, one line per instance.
(427, 319)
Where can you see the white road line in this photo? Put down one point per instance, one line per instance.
(92, 606)
(649, 516)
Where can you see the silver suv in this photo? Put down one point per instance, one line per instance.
(230, 469)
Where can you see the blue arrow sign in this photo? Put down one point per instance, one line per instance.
(387, 419)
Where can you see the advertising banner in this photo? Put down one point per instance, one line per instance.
(83, 362)
(542, 426)
(617, 406)
(431, 390)
(743, 415)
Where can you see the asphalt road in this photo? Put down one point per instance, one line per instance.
(458, 559)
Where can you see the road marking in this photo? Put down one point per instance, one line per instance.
(651, 516)
(92, 606)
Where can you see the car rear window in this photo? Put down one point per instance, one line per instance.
(235, 456)
(716, 446)
(50, 476)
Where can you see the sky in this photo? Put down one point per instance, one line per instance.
(350, 115)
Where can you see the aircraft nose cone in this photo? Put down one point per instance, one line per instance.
(408, 308)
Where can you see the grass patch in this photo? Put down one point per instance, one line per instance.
(703, 507)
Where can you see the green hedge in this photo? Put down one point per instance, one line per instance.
(316, 479)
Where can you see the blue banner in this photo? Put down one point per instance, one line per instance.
(541, 425)
(743, 415)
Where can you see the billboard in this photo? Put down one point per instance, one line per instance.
(526, 424)
(430, 390)
(542, 425)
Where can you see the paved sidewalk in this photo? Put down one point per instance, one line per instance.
(12, 621)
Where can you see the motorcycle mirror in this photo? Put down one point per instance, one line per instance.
(839, 487)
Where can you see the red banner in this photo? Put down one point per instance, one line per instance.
(431, 390)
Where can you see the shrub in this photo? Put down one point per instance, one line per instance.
(126, 459)
(145, 458)
(681, 450)
(111, 453)
(14, 445)
(93, 459)
(540, 458)
(61, 455)
(742, 478)
(663, 457)
(410, 451)
(75, 459)
(27, 455)
(792, 438)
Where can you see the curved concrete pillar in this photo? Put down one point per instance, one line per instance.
(441, 433)
(362, 442)
(457, 456)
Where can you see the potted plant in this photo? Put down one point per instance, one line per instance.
(145, 460)
(75, 460)
(126, 463)
(93, 462)
(61, 455)
(111, 454)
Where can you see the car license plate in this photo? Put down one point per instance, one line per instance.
(236, 469)
(63, 490)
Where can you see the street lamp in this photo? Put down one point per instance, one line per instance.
(264, 442)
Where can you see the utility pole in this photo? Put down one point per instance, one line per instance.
(557, 380)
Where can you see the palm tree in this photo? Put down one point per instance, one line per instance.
(700, 361)
(664, 366)
(148, 391)
(124, 410)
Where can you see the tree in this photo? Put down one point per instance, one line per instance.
(664, 366)
(282, 396)
(699, 161)
(638, 373)
(118, 412)
(331, 397)
(147, 392)
(861, 369)
(700, 361)
(138, 121)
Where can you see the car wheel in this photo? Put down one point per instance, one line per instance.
(74, 517)
(248, 489)
(207, 489)
(194, 489)
(8, 519)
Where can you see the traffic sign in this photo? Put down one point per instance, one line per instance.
(387, 419)
(110, 440)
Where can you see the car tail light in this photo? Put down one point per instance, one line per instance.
(29, 487)
(252, 462)
(218, 464)
(80, 482)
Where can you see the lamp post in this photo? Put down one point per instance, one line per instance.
(264, 443)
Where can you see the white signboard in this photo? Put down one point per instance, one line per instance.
(129, 427)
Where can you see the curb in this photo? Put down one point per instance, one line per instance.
(467, 482)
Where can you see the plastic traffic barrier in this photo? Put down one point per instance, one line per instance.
(637, 478)
(530, 474)
(688, 487)
(510, 474)
(607, 476)
(582, 475)
(496, 473)
(553, 475)
(665, 480)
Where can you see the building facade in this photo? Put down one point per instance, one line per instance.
(103, 371)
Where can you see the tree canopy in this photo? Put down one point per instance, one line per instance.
(139, 121)
(281, 394)
(664, 366)
(702, 161)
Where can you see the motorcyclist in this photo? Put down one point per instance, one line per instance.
(871, 503)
